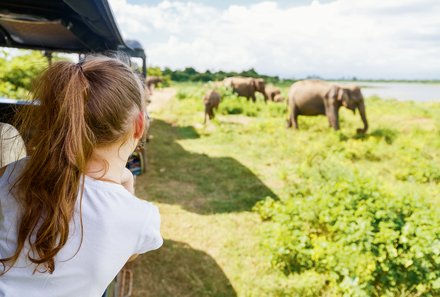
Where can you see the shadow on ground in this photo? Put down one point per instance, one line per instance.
(388, 135)
(176, 269)
(197, 182)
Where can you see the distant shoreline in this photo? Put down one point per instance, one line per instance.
(387, 81)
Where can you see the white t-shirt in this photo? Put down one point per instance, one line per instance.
(116, 226)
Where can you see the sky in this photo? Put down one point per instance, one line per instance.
(366, 39)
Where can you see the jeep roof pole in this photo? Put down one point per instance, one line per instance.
(48, 55)
(144, 67)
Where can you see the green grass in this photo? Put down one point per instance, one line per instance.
(207, 178)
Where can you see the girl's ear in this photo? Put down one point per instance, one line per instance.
(139, 125)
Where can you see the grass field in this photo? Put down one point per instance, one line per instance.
(206, 179)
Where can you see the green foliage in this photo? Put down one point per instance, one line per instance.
(418, 167)
(18, 72)
(367, 240)
(344, 203)
(10, 90)
(191, 93)
(189, 74)
(238, 105)
(21, 70)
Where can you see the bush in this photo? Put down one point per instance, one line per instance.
(181, 95)
(9, 90)
(238, 105)
(22, 70)
(367, 240)
(419, 167)
(17, 73)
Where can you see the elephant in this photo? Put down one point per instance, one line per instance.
(246, 86)
(211, 100)
(278, 98)
(317, 97)
(152, 82)
(274, 94)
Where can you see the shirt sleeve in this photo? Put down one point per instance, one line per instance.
(150, 237)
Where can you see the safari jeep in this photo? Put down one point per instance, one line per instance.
(66, 26)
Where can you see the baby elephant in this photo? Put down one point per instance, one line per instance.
(278, 98)
(273, 94)
(211, 101)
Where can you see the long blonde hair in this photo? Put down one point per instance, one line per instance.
(80, 106)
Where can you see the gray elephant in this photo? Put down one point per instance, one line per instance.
(274, 94)
(278, 98)
(246, 86)
(152, 82)
(316, 97)
(211, 101)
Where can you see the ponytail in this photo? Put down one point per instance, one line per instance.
(72, 118)
(48, 187)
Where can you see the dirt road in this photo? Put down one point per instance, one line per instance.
(159, 98)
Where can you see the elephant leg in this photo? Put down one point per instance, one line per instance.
(333, 117)
(293, 118)
(206, 114)
(254, 99)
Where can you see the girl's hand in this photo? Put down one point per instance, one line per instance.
(127, 180)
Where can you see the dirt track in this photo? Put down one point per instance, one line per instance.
(160, 97)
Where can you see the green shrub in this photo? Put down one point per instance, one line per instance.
(238, 105)
(416, 166)
(18, 72)
(181, 94)
(368, 240)
(9, 90)
(22, 70)
(278, 109)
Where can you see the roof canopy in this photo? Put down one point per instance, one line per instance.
(78, 26)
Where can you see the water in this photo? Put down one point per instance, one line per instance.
(420, 92)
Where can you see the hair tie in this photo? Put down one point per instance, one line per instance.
(79, 64)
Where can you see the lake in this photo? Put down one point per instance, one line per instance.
(401, 91)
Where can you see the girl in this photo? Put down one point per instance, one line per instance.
(68, 218)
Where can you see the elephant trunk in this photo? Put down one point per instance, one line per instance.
(361, 107)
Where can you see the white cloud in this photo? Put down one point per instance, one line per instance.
(369, 38)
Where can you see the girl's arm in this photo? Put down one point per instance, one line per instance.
(128, 183)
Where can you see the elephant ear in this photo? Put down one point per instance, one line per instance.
(333, 93)
(339, 94)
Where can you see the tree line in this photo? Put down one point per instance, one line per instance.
(189, 74)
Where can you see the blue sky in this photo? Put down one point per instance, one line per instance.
(332, 39)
